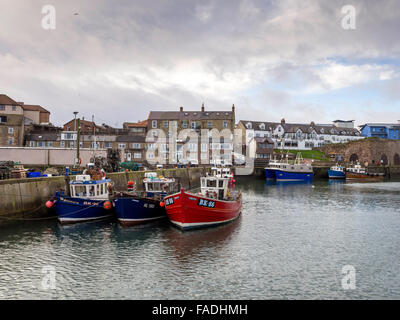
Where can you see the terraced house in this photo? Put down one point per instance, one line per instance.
(190, 145)
(300, 136)
(11, 122)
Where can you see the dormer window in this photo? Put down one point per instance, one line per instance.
(195, 113)
(322, 130)
(262, 126)
(248, 125)
(186, 113)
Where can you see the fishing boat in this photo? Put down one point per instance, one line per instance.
(215, 204)
(88, 199)
(336, 172)
(133, 207)
(358, 172)
(296, 172)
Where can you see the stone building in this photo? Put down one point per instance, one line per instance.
(11, 122)
(42, 136)
(35, 113)
(191, 145)
(372, 151)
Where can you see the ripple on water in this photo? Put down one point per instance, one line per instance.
(291, 242)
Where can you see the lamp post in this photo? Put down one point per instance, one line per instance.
(76, 153)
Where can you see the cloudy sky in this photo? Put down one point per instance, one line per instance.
(120, 59)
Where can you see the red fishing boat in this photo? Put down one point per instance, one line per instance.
(215, 204)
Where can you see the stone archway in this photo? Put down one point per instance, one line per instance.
(396, 160)
(384, 160)
(354, 157)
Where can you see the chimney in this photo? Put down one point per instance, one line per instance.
(202, 107)
(233, 108)
(181, 109)
(283, 121)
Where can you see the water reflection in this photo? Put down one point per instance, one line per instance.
(185, 245)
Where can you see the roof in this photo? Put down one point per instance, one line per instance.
(31, 107)
(189, 115)
(305, 128)
(141, 124)
(131, 138)
(264, 140)
(6, 100)
(381, 125)
(343, 120)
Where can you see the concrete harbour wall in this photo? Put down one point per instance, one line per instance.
(47, 156)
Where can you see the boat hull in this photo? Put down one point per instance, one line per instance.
(135, 210)
(334, 174)
(361, 176)
(74, 210)
(270, 174)
(189, 211)
(282, 175)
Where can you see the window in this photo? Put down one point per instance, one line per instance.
(10, 141)
(62, 144)
(137, 155)
(10, 130)
(41, 144)
(193, 125)
(192, 147)
(50, 144)
(248, 125)
(204, 147)
(136, 145)
(225, 124)
(150, 155)
(14, 108)
(165, 124)
(154, 124)
(108, 145)
(121, 145)
(150, 146)
(185, 124)
(209, 124)
(31, 143)
(2, 107)
(72, 144)
(164, 147)
(3, 119)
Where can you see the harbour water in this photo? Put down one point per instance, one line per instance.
(291, 242)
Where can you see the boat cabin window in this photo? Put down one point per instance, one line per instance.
(79, 191)
(221, 183)
(211, 183)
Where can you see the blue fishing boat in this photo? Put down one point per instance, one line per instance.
(134, 207)
(88, 200)
(298, 171)
(336, 172)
